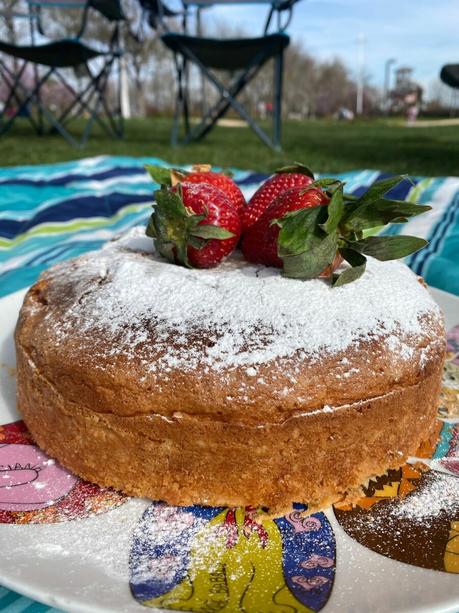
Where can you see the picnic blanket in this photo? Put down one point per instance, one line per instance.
(50, 213)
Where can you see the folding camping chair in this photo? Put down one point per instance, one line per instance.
(11, 75)
(55, 55)
(156, 12)
(450, 75)
(243, 59)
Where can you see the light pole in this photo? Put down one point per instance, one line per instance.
(387, 66)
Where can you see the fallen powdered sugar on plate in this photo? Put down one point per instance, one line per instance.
(439, 494)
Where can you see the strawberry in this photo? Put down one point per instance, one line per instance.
(200, 173)
(222, 182)
(194, 224)
(307, 229)
(259, 243)
(284, 179)
(310, 240)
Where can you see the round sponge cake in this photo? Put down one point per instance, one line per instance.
(231, 386)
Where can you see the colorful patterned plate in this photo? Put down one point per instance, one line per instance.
(79, 547)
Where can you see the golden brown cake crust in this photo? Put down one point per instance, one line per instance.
(304, 427)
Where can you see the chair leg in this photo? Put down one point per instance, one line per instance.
(78, 100)
(96, 87)
(38, 101)
(119, 110)
(176, 121)
(90, 123)
(26, 101)
(46, 114)
(186, 107)
(228, 98)
(100, 85)
(178, 103)
(12, 82)
(277, 107)
(82, 101)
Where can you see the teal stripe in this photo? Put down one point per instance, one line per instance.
(12, 602)
(65, 230)
(23, 604)
(23, 276)
(86, 166)
(29, 199)
(37, 607)
(8, 599)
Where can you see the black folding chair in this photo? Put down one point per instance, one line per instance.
(450, 75)
(156, 12)
(48, 60)
(11, 74)
(243, 59)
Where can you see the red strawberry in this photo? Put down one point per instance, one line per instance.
(194, 224)
(222, 182)
(259, 243)
(285, 178)
(200, 173)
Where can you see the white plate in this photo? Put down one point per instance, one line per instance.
(83, 565)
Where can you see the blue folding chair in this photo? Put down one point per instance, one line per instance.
(242, 59)
(48, 60)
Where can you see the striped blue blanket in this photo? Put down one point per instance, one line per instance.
(53, 212)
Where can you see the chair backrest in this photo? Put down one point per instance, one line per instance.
(156, 13)
(280, 7)
(111, 10)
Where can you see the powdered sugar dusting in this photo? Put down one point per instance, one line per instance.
(440, 494)
(248, 315)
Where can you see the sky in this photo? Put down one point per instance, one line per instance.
(423, 34)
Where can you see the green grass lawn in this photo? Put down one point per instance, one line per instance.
(326, 146)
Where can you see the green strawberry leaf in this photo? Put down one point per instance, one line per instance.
(151, 229)
(195, 242)
(335, 211)
(311, 263)
(388, 247)
(298, 230)
(382, 212)
(373, 194)
(296, 167)
(169, 206)
(305, 249)
(326, 183)
(172, 223)
(208, 231)
(358, 264)
(378, 189)
(350, 198)
(166, 249)
(159, 174)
